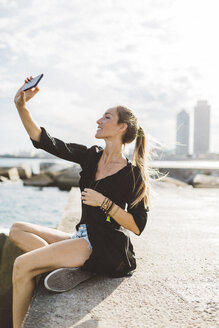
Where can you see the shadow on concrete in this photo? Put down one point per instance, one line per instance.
(93, 323)
(49, 309)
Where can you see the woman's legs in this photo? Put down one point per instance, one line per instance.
(29, 236)
(65, 253)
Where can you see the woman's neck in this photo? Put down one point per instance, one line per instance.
(112, 154)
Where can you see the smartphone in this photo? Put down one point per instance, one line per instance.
(32, 83)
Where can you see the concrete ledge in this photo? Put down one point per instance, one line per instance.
(174, 284)
(72, 212)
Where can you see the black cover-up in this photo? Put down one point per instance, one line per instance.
(113, 253)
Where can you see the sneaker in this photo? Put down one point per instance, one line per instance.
(64, 279)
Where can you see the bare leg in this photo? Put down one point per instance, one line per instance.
(66, 253)
(29, 236)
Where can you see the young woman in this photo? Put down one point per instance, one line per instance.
(109, 182)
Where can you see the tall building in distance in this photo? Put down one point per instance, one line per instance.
(182, 133)
(201, 128)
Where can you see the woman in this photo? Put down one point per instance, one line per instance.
(108, 182)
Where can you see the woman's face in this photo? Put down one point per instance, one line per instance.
(107, 125)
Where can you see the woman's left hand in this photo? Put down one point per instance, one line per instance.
(92, 197)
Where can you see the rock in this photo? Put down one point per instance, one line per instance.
(205, 181)
(54, 175)
(39, 180)
(44, 166)
(69, 178)
(64, 179)
(13, 174)
(177, 182)
(4, 171)
(52, 167)
(8, 253)
(16, 172)
(9, 172)
(3, 179)
(25, 171)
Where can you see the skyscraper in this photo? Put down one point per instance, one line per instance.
(182, 133)
(201, 127)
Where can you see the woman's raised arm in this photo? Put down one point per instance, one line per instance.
(20, 100)
(41, 138)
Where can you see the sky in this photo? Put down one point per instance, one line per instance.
(156, 57)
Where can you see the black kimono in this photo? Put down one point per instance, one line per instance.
(113, 253)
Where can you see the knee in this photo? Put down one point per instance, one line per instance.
(20, 269)
(15, 229)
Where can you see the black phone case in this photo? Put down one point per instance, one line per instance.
(30, 86)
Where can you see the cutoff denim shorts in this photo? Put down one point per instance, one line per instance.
(81, 233)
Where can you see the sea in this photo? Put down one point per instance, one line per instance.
(37, 205)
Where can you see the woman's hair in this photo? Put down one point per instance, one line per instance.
(141, 154)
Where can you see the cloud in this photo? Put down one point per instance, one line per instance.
(96, 55)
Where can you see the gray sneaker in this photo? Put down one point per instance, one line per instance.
(64, 279)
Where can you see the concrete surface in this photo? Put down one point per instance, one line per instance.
(174, 285)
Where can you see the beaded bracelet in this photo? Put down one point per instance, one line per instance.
(102, 206)
(106, 205)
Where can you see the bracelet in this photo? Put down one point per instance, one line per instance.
(106, 204)
(109, 209)
(103, 203)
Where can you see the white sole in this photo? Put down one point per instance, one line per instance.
(64, 279)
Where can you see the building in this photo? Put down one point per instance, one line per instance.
(182, 133)
(201, 128)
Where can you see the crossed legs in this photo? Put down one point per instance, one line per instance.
(46, 249)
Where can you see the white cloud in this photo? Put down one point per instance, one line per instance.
(153, 56)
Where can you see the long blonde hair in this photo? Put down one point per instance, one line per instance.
(141, 154)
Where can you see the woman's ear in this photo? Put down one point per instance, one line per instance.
(123, 126)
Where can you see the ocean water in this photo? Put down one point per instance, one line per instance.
(38, 205)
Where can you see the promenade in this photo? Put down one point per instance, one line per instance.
(174, 284)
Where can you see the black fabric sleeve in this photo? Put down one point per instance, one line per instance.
(139, 212)
(69, 151)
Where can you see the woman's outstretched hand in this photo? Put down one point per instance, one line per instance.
(22, 97)
(92, 197)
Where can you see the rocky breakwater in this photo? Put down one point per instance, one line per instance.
(197, 177)
(197, 181)
(12, 173)
(205, 181)
(55, 175)
(50, 175)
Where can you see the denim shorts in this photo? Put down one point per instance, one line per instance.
(81, 233)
